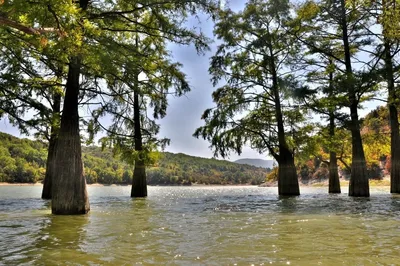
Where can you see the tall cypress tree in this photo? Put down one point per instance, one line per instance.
(253, 106)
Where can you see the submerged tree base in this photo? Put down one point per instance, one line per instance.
(395, 175)
(46, 192)
(359, 183)
(334, 185)
(139, 182)
(288, 183)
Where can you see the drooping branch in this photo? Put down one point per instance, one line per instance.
(5, 21)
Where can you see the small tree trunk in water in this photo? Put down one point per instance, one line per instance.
(394, 122)
(139, 182)
(69, 194)
(334, 183)
(50, 167)
(359, 184)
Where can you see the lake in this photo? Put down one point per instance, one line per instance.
(227, 225)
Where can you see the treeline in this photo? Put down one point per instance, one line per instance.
(375, 133)
(24, 160)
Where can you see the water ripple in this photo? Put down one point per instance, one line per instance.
(202, 226)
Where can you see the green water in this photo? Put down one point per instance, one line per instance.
(202, 226)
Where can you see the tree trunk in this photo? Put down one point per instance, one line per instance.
(50, 170)
(69, 194)
(394, 122)
(139, 182)
(288, 183)
(334, 183)
(359, 185)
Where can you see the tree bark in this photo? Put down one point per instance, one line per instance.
(334, 183)
(50, 167)
(139, 182)
(69, 194)
(359, 184)
(394, 122)
(288, 183)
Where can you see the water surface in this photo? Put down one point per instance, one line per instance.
(202, 226)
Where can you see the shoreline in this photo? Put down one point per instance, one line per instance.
(20, 184)
(343, 183)
(125, 185)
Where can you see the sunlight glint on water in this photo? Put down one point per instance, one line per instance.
(202, 226)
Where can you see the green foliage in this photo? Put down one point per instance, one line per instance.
(273, 175)
(376, 136)
(375, 132)
(23, 160)
(252, 59)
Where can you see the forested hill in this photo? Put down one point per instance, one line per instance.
(24, 160)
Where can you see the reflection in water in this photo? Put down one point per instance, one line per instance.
(203, 226)
(62, 237)
(126, 230)
(287, 204)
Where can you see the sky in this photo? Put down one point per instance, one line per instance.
(184, 113)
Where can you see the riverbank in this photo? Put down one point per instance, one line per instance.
(40, 184)
(344, 183)
(325, 183)
(20, 184)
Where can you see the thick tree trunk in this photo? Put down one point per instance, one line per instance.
(139, 182)
(394, 122)
(395, 154)
(50, 167)
(359, 184)
(69, 194)
(288, 183)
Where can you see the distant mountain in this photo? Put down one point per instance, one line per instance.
(257, 162)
